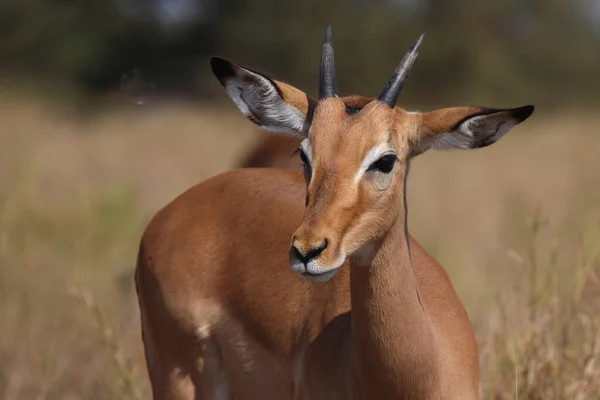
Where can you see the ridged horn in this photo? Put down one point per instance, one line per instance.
(327, 70)
(392, 90)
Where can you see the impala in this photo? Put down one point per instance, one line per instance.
(273, 151)
(255, 285)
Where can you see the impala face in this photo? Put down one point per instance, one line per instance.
(355, 167)
(356, 152)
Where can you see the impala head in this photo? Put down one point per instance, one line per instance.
(356, 152)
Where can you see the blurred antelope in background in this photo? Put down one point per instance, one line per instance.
(275, 151)
(257, 285)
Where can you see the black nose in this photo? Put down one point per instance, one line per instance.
(310, 254)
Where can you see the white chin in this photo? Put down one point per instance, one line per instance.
(316, 272)
(320, 277)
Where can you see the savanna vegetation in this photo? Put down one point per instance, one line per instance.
(83, 168)
(517, 226)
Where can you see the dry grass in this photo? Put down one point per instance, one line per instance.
(517, 226)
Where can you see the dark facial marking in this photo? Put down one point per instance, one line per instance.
(351, 110)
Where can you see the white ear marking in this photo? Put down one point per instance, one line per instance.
(258, 98)
(475, 132)
(235, 92)
(492, 135)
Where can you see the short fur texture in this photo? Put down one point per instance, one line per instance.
(223, 314)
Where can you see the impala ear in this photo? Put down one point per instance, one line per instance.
(272, 105)
(467, 127)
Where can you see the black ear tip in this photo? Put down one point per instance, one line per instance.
(522, 113)
(221, 68)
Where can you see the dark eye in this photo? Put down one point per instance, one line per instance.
(385, 164)
(303, 156)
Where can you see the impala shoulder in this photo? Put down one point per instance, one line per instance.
(236, 187)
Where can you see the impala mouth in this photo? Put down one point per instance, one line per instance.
(319, 276)
(314, 271)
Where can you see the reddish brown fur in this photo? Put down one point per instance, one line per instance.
(221, 309)
(276, 150)
(183, 260)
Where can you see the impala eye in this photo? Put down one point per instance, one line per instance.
(305, 163)
(385, 164)
(303, 157)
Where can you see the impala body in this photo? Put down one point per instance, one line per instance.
(259, 284)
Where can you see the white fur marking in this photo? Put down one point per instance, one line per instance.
(235, 92)
(209, 315)
(203, 332)
(314, 271)
(305, 145)
(474, 132)
(488, 121)
(372, 156)
(263, 100)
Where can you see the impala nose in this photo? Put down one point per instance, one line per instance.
(306, 255)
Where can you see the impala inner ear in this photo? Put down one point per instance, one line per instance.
(468, 127)
(272, 105)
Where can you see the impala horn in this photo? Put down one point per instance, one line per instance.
(392, 90)
(327, 70)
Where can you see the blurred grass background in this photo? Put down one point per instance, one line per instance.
(108, 111)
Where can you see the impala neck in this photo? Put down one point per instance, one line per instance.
(394, 344)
